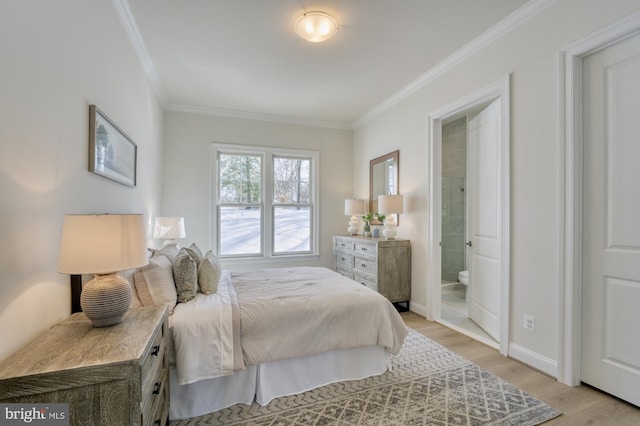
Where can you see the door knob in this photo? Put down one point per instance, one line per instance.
(468, 244)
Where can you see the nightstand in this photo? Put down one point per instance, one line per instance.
(114, 375)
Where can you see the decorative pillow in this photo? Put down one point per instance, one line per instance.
(209, 272)
(195, 252)
(128, 275)
(185, 275)
(154, 283)
(170, 251)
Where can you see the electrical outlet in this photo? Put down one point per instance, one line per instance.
(529, 322)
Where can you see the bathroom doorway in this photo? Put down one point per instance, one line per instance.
(455, 290)
(469, 216)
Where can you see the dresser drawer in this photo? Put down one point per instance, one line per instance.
(365, 265)
(367, 280)
(344, 245)
(154, 403)
(345, 273)
(365, 249)
(154, 387)
(155, 353)
(344, 261)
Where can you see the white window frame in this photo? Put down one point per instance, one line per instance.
(267, 254)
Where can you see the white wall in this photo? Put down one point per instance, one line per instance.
(530, 54)
(188, 170)
(57, 59)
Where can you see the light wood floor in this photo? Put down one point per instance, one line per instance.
(580, 405)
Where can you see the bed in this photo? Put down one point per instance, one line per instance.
(276, 332)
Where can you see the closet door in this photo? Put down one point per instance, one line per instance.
(611, 213)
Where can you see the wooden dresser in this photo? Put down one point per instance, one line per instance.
(114, 375)
(382, 265)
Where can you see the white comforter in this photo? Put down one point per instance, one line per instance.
(278, 314)
(294, 312)
(206, 334)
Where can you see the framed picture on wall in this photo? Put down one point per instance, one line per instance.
(112, 153)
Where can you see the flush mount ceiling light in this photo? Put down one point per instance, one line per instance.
(316, 27)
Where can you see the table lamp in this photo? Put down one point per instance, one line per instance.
(103, 245)
(169, 229)
(353, 208)
(390, 205)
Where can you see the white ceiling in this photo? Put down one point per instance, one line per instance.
(242, 57)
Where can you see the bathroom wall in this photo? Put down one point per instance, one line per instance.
(454, 171)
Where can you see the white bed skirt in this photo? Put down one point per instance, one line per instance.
(265, 382)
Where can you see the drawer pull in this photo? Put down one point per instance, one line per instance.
(343, 259)
(156, 388)
(158, 422)
(363, 249)
(156, 350)
(364, 265)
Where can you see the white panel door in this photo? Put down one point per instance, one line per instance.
(483, 247)
(610, 353)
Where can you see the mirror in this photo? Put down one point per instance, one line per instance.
(383, 178)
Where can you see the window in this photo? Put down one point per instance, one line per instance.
(265, 203)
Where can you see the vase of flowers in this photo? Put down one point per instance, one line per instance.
(372, 219)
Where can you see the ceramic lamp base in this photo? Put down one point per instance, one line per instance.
(105, 299)
(354, 225)
(389, 232)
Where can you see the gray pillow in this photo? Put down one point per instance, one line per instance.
(185, 275)
(195, 252)
(209, 272)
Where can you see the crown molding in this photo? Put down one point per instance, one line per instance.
(220, 112)
(131, 28)
(503, 27)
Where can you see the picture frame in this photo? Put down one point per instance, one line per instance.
(112, 154)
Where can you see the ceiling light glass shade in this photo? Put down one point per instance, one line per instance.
(316, 27)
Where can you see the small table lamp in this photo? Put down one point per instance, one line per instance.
(353, 208)
(102, 245)
(169, 229)
(390, 205)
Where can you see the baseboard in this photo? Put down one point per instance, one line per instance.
(418, 308)
(535, 360)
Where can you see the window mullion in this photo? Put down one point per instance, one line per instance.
(267, 224)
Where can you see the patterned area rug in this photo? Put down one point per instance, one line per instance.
(428, 385)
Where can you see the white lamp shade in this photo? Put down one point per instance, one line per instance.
(169, 228)
(352, 207)
(102, 244)
(390, 204)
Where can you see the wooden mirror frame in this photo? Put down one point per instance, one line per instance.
(395, 156)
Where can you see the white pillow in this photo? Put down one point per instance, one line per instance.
(209, 272)
(170, 250)
(154, 283)
(128, 275)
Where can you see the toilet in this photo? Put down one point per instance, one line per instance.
(463, 277)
